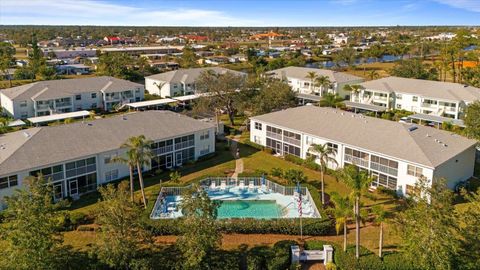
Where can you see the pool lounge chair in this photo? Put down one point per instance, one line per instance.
(251, 186)
(241, 185)
(213, 186)
(223, 185)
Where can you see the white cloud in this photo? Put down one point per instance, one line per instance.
(89, 12)
(470, 5)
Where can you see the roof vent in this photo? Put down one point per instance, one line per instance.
(124, 117)
(428, 135)
(412, 128)
(89, 124)
(465, 85)
(26, 134)
(445, 145)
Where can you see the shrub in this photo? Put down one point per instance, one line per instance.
(77, 218)
(331, 266)
(294, 159)
(294, 175)
(257, 258)
(268, 151)
(397, 261)
(175, 176)
(311, 226)
(281, 255)
(387, 191)
(253, 145)
(277, 172)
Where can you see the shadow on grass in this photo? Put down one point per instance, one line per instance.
(223, 154)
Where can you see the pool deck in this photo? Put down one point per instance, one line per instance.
(288, 204)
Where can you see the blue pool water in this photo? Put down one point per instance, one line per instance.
(249, 209)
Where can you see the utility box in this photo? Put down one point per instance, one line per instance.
(328, 254)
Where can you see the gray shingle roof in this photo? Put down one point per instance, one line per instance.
(390, 138)
(189, 75)
(63, 88)
(301, 73)
(47, 145)
(425, 88)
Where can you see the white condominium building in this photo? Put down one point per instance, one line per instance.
(62, 96)
(419, 96)
(179, 82)
(297, 78)
(78, 157)
(395, 154)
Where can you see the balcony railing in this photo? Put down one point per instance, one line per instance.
(380, 98)
(356, 161)
(428, 105)
(274, 135)
(291, 141)
(162, 150)
(63, 104)
(81, 170)
(45, 107)
(450, 109)
(184, 144)
(383, 168)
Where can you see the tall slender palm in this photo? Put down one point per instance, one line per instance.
(331, 100)
(322, 82)
(130, 161)
(355, 89)
(358, 181)
(311, 75)
(325, 155)
(380, 217)
(141, 154)
(342, 212)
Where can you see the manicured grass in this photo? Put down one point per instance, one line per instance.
(218, 165)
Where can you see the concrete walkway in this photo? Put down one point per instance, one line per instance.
(238, 161)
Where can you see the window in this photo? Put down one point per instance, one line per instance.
(258, 126)
(111, 175)
(399, 106)
(414, 171)
(78, 97)
(94, 105)
(205, 150)
(333, 146)
(94, 95)
(109, 158)
(23, 103)
(24, 115)
(175, 86)
(257, 140)
(205, 135)
(137, 90)
(414, 98)
(399, 96)
(8, 181)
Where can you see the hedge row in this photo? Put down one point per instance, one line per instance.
(311, 226)
(368, 260)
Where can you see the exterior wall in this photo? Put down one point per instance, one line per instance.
(453, 170)
(152, 88)
(14, 109)
(457, 169)
(201, 147)
(303, 86)
(411, 102)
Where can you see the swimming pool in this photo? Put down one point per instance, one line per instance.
(249, 209)
(266, 201)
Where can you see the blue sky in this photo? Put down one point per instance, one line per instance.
(241, 13)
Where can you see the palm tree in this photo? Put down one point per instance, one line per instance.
(322, 82)
(355, 89)
(331, 100)
(380, 216)
(373, 74)
(342, 212)
(358, 181)
(130, 160)
(139, 153)
(311, 75)
(324, 153)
